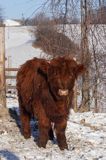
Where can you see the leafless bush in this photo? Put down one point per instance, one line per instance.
(98, 16)
(1, 16)
(53, 42)
(37, 19)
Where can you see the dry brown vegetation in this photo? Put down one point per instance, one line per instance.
(53, 42)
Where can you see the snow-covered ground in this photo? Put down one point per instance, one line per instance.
(86, 137)
(18, 43)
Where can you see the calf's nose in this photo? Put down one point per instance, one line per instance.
(63, 92)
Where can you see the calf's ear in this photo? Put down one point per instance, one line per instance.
(43, 68)
(80, 69)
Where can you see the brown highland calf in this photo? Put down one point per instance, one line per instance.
(45, 90)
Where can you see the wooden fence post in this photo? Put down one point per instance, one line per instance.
(2, 67)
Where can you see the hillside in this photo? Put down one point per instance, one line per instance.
(18, 42)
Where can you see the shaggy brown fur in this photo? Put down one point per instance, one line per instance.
(45, 90)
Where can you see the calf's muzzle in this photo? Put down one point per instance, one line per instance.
(63, 92)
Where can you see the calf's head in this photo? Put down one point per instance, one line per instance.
(61, 74)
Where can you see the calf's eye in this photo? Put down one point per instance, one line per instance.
(70, 77)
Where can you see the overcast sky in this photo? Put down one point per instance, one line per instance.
(19, 8)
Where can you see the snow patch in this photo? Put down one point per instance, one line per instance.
(9, 22)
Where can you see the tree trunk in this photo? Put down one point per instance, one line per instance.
(85, 55)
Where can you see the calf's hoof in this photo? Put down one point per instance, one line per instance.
(41, 144)
(26, 135)
(63, 147)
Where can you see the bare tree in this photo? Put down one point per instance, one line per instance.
(85, 54)
(97, 35)
(98, 15)
(38, 19)
(1, 16)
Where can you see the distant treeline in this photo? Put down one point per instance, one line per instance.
(96, 16)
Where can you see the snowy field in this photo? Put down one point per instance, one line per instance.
(86, 137)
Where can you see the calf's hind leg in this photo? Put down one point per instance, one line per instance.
(25, 121)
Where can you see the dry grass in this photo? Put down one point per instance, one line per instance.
(83, 122)
(3, 112)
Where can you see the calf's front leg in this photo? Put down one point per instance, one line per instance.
(60, 133)
(44, 127)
